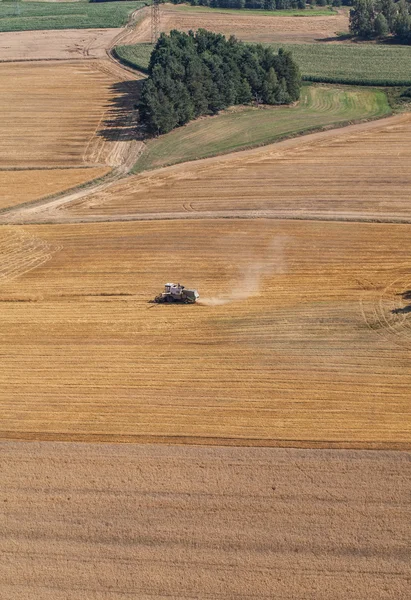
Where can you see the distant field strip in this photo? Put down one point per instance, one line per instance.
(252, 26)
(292, 12)
(368, 64)
(240, 128)
(22, 16)
(280, 351)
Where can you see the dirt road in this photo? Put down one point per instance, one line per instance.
(248, 184)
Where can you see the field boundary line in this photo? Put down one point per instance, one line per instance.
(22, 213)
(59, 218)
(31, 436)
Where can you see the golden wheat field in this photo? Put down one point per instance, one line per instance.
(50, 112)
(302, 336)
(359, 172)
(17, 187)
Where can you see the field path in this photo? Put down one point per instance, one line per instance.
(93, 127)
(57, 210)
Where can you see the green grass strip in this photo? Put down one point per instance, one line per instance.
(248, 127)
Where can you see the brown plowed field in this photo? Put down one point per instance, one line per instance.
(110, 522)
(24, 186)
(303, 335)
(357, 173)
(248, 27)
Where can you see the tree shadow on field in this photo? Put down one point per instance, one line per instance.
(405, 295)
(406, 309)
(122, 121)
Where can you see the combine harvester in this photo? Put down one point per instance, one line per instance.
(174, 292)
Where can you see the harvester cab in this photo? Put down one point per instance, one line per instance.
(174, 292)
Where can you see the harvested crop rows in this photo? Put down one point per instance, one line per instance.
(128, 521)
(283, 348)
(57, 119)
(17, 187)
(356, 173)
(252, 28)
(49, 112)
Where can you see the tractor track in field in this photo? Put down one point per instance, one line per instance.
(52, 210)
(121, 155)
(117, 151)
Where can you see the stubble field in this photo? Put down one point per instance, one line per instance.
(50, 111)
(302, 338)
(57, 119)
(356, 173)
(114, 522)
(295, 340)
(252, 28)
(17, 187)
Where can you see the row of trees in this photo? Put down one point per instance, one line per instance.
(250, 4)
(379, 18)
(202, 73)
(264, 4)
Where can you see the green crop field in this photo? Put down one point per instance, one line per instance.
(367, 64)
(26, 16)
(246, 127)
(352, 64)
(137, 55)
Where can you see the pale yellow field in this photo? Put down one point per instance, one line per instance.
(360, 172)
(295, 342)
(56, 44)
(27, 185)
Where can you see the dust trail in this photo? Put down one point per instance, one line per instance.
(250, 283)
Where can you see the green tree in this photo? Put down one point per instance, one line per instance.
(270, 88)
(402, 25)
(381, 26)
(389, 9)
(362, 17)
(202, 73)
